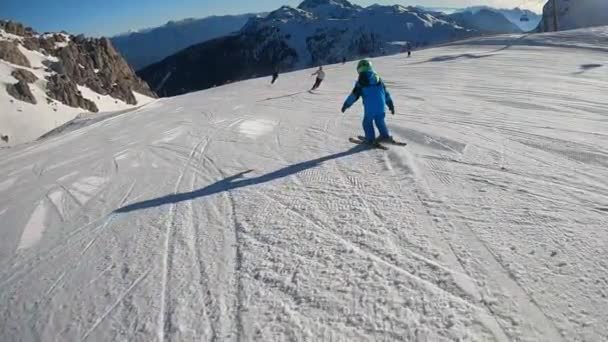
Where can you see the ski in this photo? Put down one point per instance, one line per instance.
(390, 142)
(362, 142)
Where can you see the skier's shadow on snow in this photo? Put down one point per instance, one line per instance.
(586, 67)
(282, 96)
(238, 181)
(449, 58)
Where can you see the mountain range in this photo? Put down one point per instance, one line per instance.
(149, 46)
(314, 33)
(524, 19)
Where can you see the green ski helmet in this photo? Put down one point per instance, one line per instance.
(364, 65)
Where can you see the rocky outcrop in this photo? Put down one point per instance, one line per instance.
(64, 90)
(16, 28)
(9, 51)
(21, 91)
(44, 44)
(96, 64)
(89, 62)
(23, 75)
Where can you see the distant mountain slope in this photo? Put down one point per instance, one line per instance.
(149, 46)
(316, 32)
(47, 80)
(486, 20)
(515, 15)
(530, 19)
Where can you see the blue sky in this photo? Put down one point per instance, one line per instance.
(108, 17)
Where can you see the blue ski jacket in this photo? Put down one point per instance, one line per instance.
(370, 87)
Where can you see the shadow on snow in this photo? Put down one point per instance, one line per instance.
(238, 181)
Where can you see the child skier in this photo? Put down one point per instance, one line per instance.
(320, 77)
(370, 87)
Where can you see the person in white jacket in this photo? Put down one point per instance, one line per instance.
(320, 77)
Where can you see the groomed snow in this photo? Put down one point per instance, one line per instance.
(242, 213)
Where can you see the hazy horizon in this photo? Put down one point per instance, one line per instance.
(115, 17)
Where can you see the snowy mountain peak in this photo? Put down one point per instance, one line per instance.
(334, 9)
(312, 4)
(394, 9)
(285, 13)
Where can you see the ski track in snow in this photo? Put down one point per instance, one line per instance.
(254, 219)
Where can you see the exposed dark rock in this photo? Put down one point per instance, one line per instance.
(4, 138)
(89, 62)
(16, 28)
(64, 90)
(9, 52)
(21, 91)
(24, 75)
(43, 45)
(96, 64)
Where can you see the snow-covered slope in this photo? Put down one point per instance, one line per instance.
(241, 213)
(25, 119)
(595, 38)
(570, 14)
(316, 32)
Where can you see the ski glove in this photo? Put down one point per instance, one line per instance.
(391, 107)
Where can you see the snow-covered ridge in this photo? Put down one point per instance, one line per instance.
(316, 32)
(310, 31)
(47, 80)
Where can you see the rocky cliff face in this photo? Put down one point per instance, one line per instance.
(95, 64)
(48, 79)
(74, 61)
(9, 51)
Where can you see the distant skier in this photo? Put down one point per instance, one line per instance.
(343, 60)
(275, 75)
(320, 77)
(370, 87)
(4, 138)
(408, 48)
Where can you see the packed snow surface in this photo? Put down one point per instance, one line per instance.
(242, 213)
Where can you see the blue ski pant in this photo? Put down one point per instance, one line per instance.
(368, 126)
